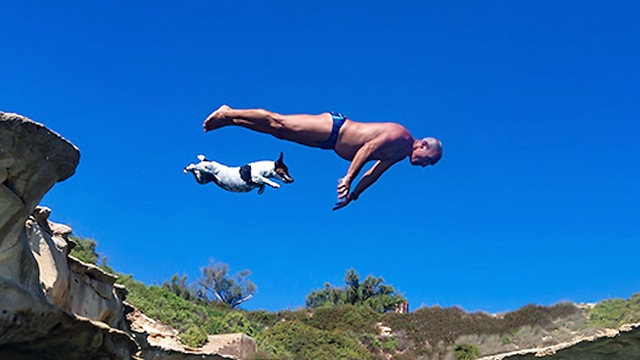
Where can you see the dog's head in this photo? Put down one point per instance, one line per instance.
(282, 171)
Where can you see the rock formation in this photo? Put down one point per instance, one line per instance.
(159, 341)
(40, 313)
(53, 306)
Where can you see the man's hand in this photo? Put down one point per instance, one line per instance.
(344, 185)
(344, 202)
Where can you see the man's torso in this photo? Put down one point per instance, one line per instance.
(394, 141)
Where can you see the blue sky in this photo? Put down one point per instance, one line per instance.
(536, 103)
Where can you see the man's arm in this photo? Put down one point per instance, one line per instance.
(370, 177)
(361, 157)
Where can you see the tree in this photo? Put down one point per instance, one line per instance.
(219, 286)
(179, 286)
(372, 292)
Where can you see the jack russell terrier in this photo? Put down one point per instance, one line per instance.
(242, 178)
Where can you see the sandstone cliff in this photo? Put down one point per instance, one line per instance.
(53, 306)
(37, 308)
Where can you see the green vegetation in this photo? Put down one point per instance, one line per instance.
(342, 323)
(371, 293)
(85, 251)
(296, 340)
(615, 312)
(466, 352)
(174, 303)
(437, 325)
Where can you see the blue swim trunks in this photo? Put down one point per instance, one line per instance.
(338, 121)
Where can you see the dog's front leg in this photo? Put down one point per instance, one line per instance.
(261, 189)
(263, 180)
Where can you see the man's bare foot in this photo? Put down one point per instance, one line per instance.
(217, 119)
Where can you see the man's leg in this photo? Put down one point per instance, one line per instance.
(304, 129)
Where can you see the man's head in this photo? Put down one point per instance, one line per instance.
(427, 151)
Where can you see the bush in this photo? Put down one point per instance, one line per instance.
(466, 352)
(438, 325)
(297, 341)
(237, 322)
(85, 251)
(194, 337)
(615, 312)
(262, 319)
(390, 344)
(347, 318)
(371, 292)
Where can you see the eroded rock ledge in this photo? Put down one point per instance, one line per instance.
(53, 306)
(41, 314)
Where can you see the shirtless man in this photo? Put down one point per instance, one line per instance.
(358, 142)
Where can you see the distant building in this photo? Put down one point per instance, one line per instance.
(402, 308)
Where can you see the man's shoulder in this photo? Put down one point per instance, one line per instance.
(395, 131)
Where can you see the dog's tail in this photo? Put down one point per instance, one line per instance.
(202, 157)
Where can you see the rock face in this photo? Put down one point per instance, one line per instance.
(32, 160)
(41, 313)
(52, 305)
(159, 341)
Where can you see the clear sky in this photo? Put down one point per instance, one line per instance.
(537, 104)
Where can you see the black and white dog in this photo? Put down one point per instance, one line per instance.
(242, 178)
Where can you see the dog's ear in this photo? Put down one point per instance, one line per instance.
(280, 158)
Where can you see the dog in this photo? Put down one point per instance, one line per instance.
(243, 178)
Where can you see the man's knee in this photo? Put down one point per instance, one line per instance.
(276, 122)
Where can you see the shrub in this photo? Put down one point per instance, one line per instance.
(466, 352)
(237, 322)
(262, 319)
(615, 312)
(295, 340)
(444, 325)
(85, 250)
(346, 317)
(391, 344)
(371, 292)
(194, 337)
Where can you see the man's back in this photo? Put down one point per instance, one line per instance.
(391, 141)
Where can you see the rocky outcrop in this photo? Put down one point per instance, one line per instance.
(158, 341)
(32, 160)
(52, 305)
(621, 344)
(80, 288)
(39, 317)
(239, 346)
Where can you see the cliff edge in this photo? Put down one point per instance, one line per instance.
(52, 305)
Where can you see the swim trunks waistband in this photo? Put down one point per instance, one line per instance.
(338, 121)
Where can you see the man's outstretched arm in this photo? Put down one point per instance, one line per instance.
(361, 157)
(371, 176)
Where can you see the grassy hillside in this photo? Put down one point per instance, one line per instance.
(358, 332)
